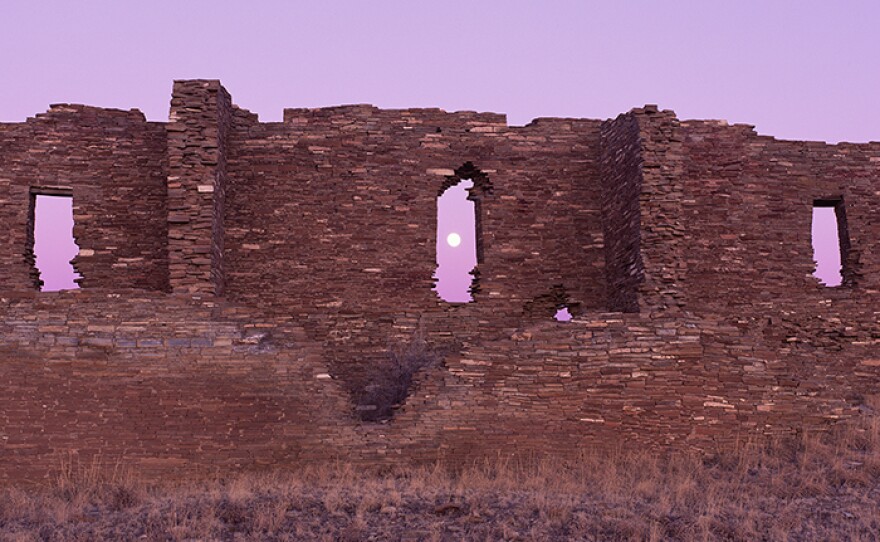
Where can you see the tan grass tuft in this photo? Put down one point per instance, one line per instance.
(818, 486)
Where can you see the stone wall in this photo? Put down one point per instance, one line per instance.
(621, 187)
(753, 251)
(629, 380)
(162, 383)
(750, 259)
(114, 165)
(200, 119)
(331, 217)
(336, 209)
(171, 385)
(242, 280)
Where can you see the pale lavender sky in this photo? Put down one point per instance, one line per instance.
(804, 69)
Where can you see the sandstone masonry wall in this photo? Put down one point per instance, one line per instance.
(164, 384)
(751, 258)
(621, 188)
(114, 165)
(242, 280)
(336, 209)
(197, 137)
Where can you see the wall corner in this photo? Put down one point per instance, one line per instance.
(642, 170)
(199, 123)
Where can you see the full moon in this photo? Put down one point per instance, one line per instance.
(453, 239)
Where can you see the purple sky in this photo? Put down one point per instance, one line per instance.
(53, 242)
(826, 246)
(804, 69)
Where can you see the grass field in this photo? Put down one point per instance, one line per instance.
(816, 487)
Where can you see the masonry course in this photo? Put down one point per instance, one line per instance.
(240, 279)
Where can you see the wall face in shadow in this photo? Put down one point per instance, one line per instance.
(621, 189)
(243, 280)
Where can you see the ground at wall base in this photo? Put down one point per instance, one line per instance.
(818, 487)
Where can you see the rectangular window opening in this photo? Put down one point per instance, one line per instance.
(53, 244)
(830, 241)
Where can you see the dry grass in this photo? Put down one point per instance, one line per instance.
(818, 487)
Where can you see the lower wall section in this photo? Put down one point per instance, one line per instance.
(162, 385)
(169, 385)
(631, 380)
(190, 416)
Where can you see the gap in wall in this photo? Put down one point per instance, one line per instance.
(456, 243)
(54, 245)
(562, 315)
(826, 243)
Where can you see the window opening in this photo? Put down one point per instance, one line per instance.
(54, 246)
(562, 314)
(456, 243)
(830, 241)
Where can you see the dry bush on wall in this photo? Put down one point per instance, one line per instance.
(388, 383)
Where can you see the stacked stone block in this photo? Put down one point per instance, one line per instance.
(200, 119)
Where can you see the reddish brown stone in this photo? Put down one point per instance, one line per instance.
(240, 279)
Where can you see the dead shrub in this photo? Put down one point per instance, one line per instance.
(388, 383)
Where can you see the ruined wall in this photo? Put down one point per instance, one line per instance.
(660, 211)
(331, 217)
(162, 384)
(637, 380)
(171, 385)
(114, 162)
(242, 279)
(621, 163)
(201, 117)
(335, 209)
(746, 219)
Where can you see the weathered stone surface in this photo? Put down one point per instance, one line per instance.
(115, 164)
(240, 278)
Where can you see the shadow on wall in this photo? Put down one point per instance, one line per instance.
(389, 382)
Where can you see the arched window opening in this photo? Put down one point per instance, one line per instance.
(459, 243)
(53, 245)
(830, 241)
(456, 243)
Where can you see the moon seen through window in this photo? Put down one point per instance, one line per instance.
(456, 243)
